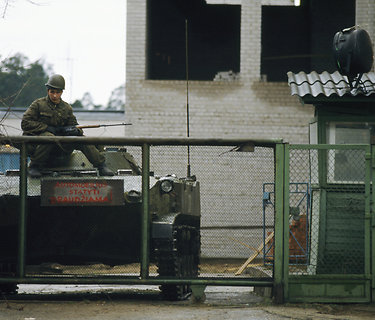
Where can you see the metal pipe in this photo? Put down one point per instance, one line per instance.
(367, 222)
(145, 143)
(372, 213)
(22, 212)
(145, 227)
(135, 280)
(281, 224)
(141, 141)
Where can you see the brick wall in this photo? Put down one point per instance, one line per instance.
(243, 108)
(365, 17)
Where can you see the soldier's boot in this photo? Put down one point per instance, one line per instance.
(34, 171)
(104, 170)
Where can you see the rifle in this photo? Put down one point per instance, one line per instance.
(89, 126)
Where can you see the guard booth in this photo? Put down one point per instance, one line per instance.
(338, 165)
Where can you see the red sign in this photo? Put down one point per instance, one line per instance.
(74, 192)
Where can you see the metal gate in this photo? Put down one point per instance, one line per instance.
(338, 265)
(231, 175)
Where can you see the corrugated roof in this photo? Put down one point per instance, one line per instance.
(329, 84)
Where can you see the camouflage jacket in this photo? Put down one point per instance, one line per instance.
(43, 112)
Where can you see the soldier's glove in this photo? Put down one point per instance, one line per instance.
(71, 131)
(53, 130)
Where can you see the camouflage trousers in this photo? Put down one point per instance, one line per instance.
(41, 154)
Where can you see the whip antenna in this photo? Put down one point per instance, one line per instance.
(187, 94)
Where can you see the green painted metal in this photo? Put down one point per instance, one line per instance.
(304, 288)
(372, 226)
(322, 131)
(323, 220)
(198, 292)
(144, 278)
(145, 248)
(140, 141)
(338, 287)
(342, 220)
(286, 209)
(335, 101)
(329, 288)
(367, 226)
(279, 236)
(344, 114)
(329, 146)
(367, 236)
(341, 290)
(22, 212)
(136, 280)
(335, 286)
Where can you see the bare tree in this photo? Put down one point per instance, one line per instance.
(6, 4)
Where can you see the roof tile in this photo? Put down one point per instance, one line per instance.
(329, 84)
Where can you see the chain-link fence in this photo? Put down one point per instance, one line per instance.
(233, 237)
(231, 185)
(327, 228)
(98, 240)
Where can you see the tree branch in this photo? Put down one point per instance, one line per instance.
(7, 3)
(5, 8)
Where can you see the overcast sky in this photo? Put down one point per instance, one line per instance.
(84, 40)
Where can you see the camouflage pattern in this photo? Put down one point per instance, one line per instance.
(43, 113)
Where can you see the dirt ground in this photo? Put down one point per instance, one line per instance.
(211, 266)
(52, 302)
(84, 302)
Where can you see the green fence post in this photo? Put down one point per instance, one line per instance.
(281, 194)
(145, 244)
(367, 221)
(372, 213)
(22, 212)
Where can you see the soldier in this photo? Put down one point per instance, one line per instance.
(50, 116)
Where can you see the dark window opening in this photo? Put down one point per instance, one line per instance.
(300, 38)
(213, 39)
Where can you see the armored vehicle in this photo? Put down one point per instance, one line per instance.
(76, 218)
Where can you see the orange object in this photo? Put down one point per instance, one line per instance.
(297, 242)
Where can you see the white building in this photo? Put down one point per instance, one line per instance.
(255, 43)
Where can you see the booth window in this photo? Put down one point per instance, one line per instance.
(213, 39)
(348, 165)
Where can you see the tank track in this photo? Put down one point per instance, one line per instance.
(178, 258)
(8, 270)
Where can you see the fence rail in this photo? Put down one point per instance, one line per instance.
(298, 218)
(231, 202)
(334, 225)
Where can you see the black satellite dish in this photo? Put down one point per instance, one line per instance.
(353, 53)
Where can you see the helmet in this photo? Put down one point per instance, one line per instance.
(56, 81)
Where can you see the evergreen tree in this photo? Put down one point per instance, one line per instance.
(21, 82)
(117, 99)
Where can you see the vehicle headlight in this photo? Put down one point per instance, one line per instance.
(166, 186)
(133, 196)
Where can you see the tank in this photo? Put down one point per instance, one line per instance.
(77, 218)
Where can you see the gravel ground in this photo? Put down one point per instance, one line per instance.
(52, 302)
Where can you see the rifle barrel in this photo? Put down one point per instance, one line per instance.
(88, 126)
